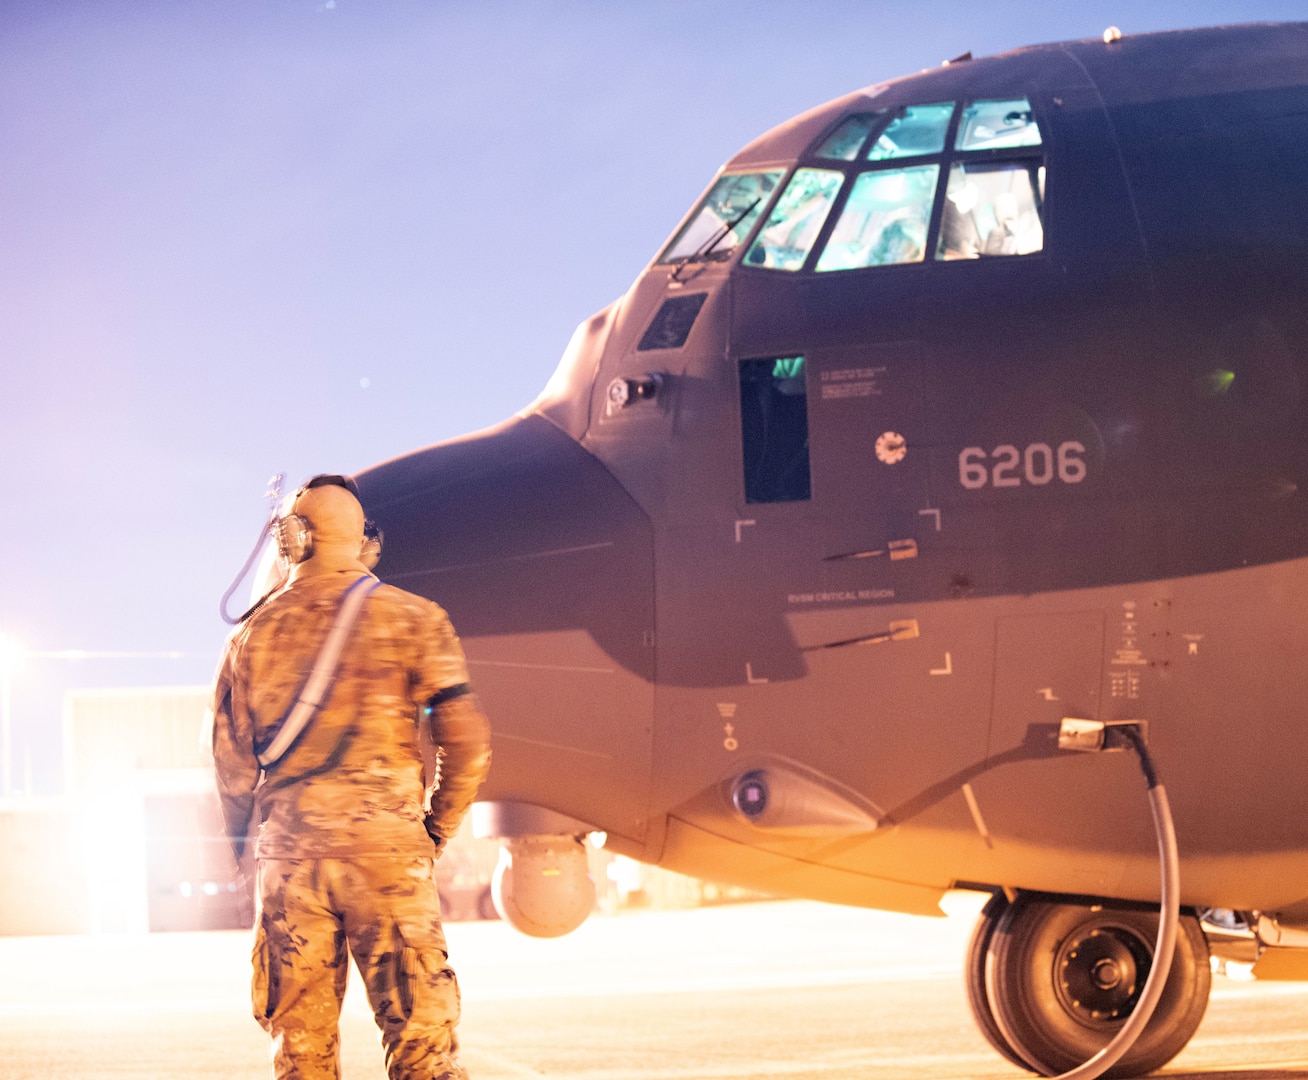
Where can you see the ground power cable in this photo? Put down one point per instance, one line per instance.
(1169, 915)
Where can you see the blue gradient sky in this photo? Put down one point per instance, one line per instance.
(216, 219)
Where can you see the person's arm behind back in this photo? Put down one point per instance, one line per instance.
(459, 728)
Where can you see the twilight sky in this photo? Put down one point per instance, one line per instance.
(258, 236)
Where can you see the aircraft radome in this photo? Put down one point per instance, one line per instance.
(958, 406)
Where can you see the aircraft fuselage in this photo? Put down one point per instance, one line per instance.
(877, 515)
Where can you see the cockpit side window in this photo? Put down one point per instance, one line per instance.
(994, 200)
(725, 217)
(992, 209)
(774, 429)
(995, 125)
(794, 224)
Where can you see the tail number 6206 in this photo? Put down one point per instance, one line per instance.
(1007, 466)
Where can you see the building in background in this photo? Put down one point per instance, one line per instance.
(136, 843)
(44, 886)
(133, 842)
(137, 775)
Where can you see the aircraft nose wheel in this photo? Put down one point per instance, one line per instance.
(1050, 980)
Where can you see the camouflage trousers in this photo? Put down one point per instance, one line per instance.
(315, 913)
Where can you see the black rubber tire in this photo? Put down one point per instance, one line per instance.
(974, 978)
(1064, 974)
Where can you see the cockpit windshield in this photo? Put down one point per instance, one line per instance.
(885, 220)
(847, 140)
(724, 218)
(878, 200)
(793, 227)
(918, 129)
(943, 181)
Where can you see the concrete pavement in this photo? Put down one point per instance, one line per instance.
(739, 992)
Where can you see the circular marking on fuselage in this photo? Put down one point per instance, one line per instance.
(891, 447)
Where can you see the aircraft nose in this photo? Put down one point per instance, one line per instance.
(518, 531)
(545, 565)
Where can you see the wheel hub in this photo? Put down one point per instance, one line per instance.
(1106, 974)
(1100, 972)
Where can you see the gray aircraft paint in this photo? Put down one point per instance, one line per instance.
(641, 634)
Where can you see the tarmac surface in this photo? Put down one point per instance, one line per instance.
(738, 992)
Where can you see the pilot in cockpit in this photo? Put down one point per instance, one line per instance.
(1003, 239)
(959, 236)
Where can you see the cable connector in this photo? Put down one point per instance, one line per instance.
(1094, 735)
(1086, 735)
(1091, 736)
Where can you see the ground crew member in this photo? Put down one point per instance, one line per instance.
(346, 831)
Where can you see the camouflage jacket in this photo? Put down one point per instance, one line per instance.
(352, 783)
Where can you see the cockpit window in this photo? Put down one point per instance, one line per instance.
(846, 141)
(774, 429)
(724, 218)
(884, 221)
(793, 226)
(992, 125)
(869, 191)
(992, 209)
(918, 129)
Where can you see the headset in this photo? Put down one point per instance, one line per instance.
(293, 536)
(293, 533)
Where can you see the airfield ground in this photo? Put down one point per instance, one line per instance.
(738, 992)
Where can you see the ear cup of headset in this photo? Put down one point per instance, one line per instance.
(370, 552)
(294, 538)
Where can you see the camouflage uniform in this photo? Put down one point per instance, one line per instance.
(345, 844)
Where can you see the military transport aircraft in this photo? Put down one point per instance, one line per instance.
(958, 406)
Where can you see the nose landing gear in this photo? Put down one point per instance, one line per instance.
(1051, 979)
